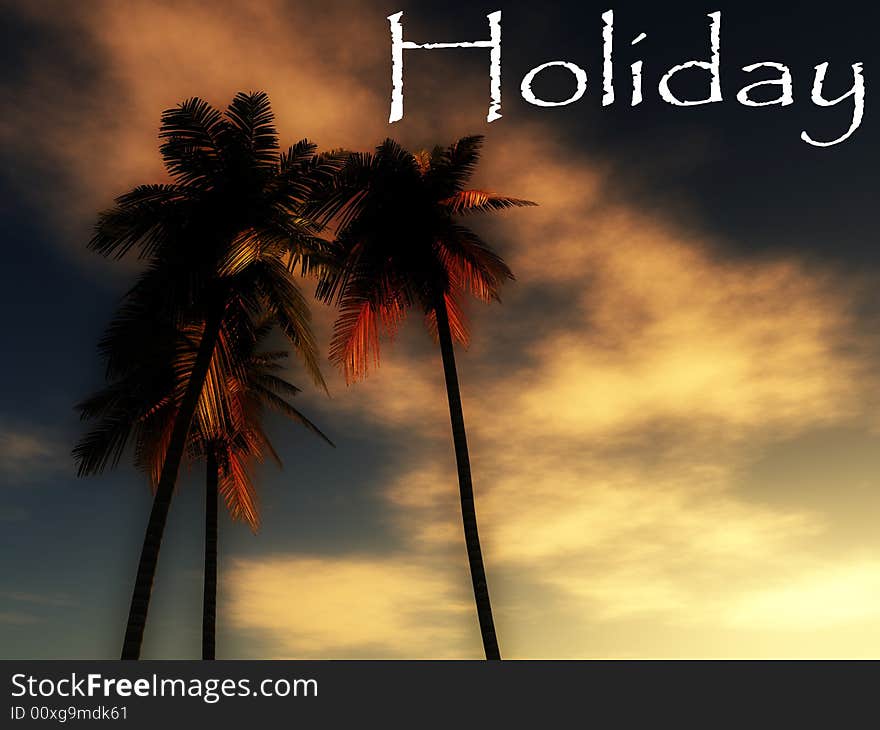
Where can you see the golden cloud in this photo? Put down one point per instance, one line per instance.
(349, 607)
(102, 140)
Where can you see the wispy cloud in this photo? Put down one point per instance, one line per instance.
(14, 618)
(27, 454)
(38, 599)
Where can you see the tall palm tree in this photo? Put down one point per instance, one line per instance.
(396, 215)
(221, 240)
(229, 440)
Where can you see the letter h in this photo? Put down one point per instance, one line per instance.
(398, 45)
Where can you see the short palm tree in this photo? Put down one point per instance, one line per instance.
(227, 430)
(396, 216)
(230, 445)
(220, 241)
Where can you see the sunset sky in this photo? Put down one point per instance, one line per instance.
(673, 414)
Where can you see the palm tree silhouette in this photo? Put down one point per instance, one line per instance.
(229, 450)
(230, 440)
(402, 247)
(220, 242)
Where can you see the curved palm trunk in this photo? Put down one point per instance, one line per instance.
(209, 603)
(466, 488)
(143, 586)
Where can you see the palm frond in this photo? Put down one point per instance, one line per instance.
(277, 385)
(290, 310)
(458, 323)
(253, 127)
(102, 445)
(237, 488)
(451, 168)
(471, 264)
(148, 217)
(192, 148)
(480, 201)
(354, 346)
(282, 406)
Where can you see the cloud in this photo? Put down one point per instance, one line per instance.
(621, 540)
(825, 597)
(17, 619)
(660, 325)
(85, 120)
(27, 455)
(21, 446)
(348, 607)
(39, 599)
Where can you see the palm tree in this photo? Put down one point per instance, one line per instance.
(402, 246)
(229, 451)
(220, 241)
(230, 440)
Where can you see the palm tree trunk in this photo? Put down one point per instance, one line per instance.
(143, 586)
(209, 604)
(466, 488)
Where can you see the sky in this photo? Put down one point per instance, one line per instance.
(672, 414)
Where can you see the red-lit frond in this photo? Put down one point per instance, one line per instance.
(355, 343)
(458, 324)
(470, 264)
(152, 455)
(237, 488)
